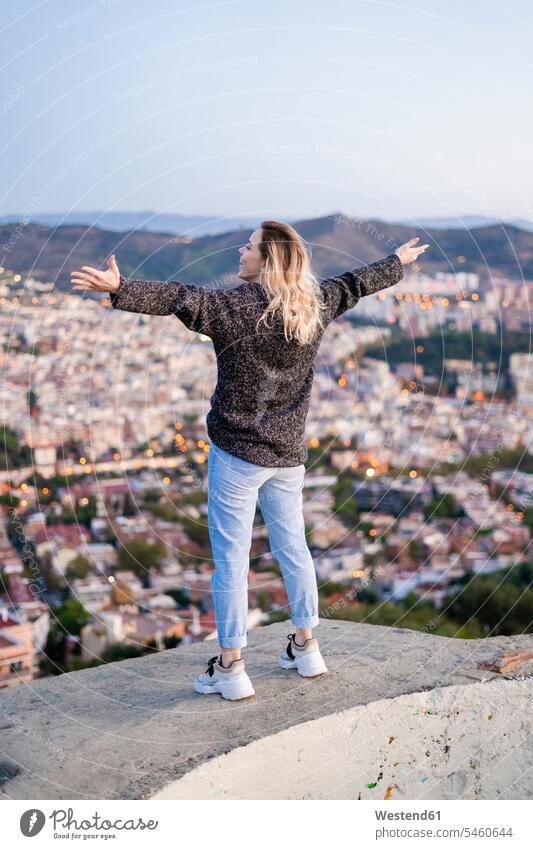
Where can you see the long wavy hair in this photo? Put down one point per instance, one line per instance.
(289, 282)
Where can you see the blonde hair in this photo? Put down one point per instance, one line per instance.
(289, 282)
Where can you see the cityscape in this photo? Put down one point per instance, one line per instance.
(417, 497)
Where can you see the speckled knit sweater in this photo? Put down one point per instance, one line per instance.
(260, 404)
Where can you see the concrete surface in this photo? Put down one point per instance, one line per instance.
(449, 743)
(136, 729)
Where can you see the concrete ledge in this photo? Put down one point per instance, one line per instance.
(466, 742)
(137, 730)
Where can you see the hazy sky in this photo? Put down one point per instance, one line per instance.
(393, 109)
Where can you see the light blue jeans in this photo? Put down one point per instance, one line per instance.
(233, 487)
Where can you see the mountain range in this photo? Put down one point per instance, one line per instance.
(336, 241)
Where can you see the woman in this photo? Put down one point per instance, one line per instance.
(266, 333)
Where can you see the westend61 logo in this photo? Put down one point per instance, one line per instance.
(33, 820)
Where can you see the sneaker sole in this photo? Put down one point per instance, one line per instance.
(308, 666)
(232, 690)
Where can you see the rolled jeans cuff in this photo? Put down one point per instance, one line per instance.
(310, 622)
(233, 642)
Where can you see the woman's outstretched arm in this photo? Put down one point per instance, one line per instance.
(195, 306)
(344, 291)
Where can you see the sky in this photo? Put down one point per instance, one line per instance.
(392, 110)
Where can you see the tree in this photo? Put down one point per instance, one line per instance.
(54, 652)
(443, 508)
(72, 616)
(141, 556)
(130, 508)
(53, 580)
(120, 651)
(9, 499)
(79, 567)
(345, 505)
(70, 619)
(414, 548)
(329, 587)
(501, 607)
(86, 512)
(32, 400)
(9, 448)
(365, 594)
(171, 642)
(152, 495)
(181, 596)
(4, 583)
(195, 529)
(263, 600)
(521, 575)
(423, 617)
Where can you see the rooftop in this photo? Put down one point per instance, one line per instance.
(401, 715)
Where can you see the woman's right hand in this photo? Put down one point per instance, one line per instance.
(95, 280)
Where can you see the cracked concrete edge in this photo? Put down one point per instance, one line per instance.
(349, 754)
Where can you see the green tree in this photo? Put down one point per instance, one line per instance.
(141, 556)
(32, 399)
(263, 600)
(130, 508)
(4, 583)
(86, 512)
(9, 499)
(164, 510)
(54, 652)
(75, 664)
(414, 548)
(171, 642)
(196, 529)
(181, 596)
(345, 504)
(9, 448)
(152, 495)
(120, 651)
(278, 616)
(368, 596)
(421, 618)
(501, 607)
(79, 567)
(329, 587)
(72, 617)
(443, 508)
(53, 579)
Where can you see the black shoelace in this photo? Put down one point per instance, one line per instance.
(289, 647)
(210, 664)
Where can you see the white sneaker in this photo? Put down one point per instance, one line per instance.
(231, 682)
(306, 659)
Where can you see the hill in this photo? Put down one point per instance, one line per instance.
(337, 242)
